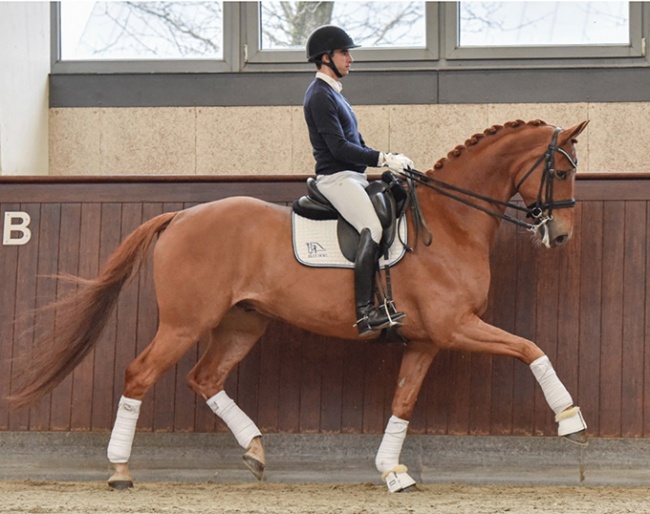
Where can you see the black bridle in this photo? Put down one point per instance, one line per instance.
(537, 209)
(541, 210)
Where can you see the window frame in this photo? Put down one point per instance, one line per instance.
(242, 51)
(229, 63)
(454, 52)
(254, 58)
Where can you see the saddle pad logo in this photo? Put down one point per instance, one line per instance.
(315, 244)
(316, 250)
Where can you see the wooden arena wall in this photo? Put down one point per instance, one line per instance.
(584, 304)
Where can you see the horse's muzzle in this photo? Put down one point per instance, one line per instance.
(560, 240)
(554, 234)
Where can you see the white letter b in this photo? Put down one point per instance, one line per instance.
(16, 222)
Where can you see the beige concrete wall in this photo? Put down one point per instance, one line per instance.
(273, 140)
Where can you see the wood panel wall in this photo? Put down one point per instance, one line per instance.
(584, 304)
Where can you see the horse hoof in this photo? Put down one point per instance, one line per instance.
(579, 438)
(410, 489)
(254, 458)
(120, 485)
(255, 466)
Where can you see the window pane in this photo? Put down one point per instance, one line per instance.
(287, 25)
(141, 30)
(543, 23)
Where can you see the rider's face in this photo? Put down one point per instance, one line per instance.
(343, 60)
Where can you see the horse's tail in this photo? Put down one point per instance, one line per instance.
(81, 317)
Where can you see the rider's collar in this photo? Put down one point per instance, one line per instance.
(336, 85)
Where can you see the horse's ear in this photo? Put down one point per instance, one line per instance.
(573, 132)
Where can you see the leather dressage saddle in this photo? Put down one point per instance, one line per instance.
(387, 195)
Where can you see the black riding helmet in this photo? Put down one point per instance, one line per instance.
(326, 39)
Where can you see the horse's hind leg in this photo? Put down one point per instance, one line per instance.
(231, 341)
(166, 349)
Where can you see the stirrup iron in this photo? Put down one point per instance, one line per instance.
(365, 326)
(394, 316)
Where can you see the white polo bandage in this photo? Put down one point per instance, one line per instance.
(556, 395)
(236, 419)
(119, 447)
(391, 444)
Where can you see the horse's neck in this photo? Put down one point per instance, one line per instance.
(480, 174)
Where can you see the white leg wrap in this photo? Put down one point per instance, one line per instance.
(236, 419)
(556, 395)
(119, 447)
(391, 444)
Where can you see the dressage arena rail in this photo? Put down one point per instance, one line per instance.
(585, 305)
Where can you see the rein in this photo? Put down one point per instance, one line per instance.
(535, 211)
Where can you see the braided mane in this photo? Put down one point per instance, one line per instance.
(476, 138)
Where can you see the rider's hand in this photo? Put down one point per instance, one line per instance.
(395, 161)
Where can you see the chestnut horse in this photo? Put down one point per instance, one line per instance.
(223, 270)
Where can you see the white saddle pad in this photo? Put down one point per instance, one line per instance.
(315, 244)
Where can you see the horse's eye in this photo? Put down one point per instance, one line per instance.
(562, 175)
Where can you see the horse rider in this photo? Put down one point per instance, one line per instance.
(341, 160)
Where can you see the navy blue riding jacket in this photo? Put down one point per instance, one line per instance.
(334, 132)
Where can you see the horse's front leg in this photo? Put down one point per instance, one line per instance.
(478, 336)
(415, 364)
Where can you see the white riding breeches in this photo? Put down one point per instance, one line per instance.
(346, 191)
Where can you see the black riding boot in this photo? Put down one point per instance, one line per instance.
(369, 318)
